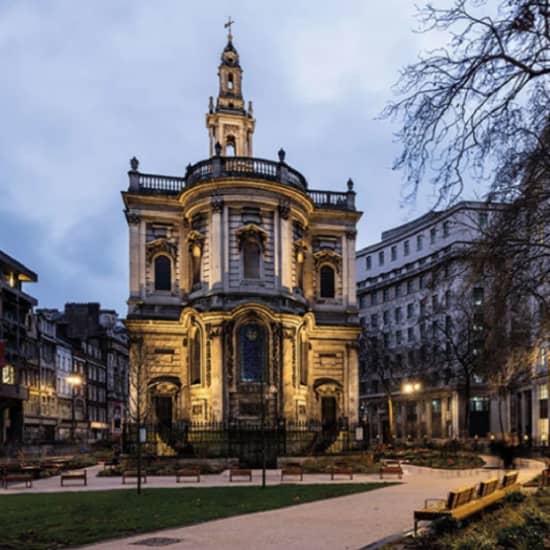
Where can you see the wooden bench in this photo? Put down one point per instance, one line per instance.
(9, 477)
(75, 475)
(465, 502)
(189, 472)
(391, 468)
(292, 471)
(128, 474)
(342, 471)
(241, 473)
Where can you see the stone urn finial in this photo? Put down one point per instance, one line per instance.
(134, 164)
(218, 148)
(350, 185)
(282, 154)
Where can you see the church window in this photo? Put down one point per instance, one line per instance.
(230, 81)
(163, 275)
(303, 359)
(196, 358)
(251, 259)
(252, 353)
(327, 282)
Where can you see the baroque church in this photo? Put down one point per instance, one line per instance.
(242, 282)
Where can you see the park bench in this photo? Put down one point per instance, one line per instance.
(188, 473)
(391, 467)
(463, 503)
(74, 475)
(240, 473)
(340, 470)
(14, 477)
(293, 471)
(132, 474)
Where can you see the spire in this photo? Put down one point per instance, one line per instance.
(228, 122)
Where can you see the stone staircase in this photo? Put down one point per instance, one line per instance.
(163, 449)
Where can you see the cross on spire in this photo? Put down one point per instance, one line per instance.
(227, 25)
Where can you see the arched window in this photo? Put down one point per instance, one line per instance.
(304, 346)
(252, 352)
(163, 273)
(230, 148)
(196, 358)
(230, 81)
(251, 259)
(327, 282)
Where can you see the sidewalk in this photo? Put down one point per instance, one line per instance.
(344, 523)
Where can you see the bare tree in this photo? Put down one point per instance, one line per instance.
(476, 108)
(139, 403)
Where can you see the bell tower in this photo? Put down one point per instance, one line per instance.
(228, 122)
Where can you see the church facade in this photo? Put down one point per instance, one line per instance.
(242, 282)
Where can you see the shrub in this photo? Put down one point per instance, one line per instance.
(475, 541)
(515, 497)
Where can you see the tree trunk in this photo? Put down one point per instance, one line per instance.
(390, 418)
(467, 393)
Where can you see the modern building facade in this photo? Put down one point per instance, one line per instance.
(419, 310)
(242, 282)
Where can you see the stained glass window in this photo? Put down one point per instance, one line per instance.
(252, 352)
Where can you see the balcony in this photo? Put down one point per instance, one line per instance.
(238, 167)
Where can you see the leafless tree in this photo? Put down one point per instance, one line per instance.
(476, 108)
(139, 403)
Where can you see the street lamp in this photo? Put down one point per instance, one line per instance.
(75, 381)
(411, 387)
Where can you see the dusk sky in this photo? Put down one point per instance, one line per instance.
(87, 85)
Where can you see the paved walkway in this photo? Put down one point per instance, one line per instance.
(343, 523)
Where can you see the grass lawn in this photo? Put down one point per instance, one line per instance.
(57, 520)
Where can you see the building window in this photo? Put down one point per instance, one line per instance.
(410, 334)
(410, 286)
(230, 81)
(446, 229)
(478, 296)
(397, 314)
(410, 311)
(386, 294)
(398, 337)
(163, 273)
(251, 259)
(433, 235)
(398, 290)
(374, 320)
(327, 282)
(381, 257)
(393, 253)
(419, 242)
(406, 247)
(368, 263)
(304, 346)
(386, 317)
(196, 358)
(421, 282)
(252, 353)
(482, 219)
(8, 375)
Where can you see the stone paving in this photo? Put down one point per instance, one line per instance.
(343, 523)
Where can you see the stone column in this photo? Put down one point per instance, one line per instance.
(353, 384)
(288, 376)
(344, 274)
(214, 371)
(285, 246)
(216, 243)
(134, 221)
(351, 298)
(141, 259)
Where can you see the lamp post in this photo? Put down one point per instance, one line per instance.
(75, 381)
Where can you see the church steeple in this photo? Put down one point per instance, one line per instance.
(229, 123)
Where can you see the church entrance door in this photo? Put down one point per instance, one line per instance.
(328, 413)
(163, 412)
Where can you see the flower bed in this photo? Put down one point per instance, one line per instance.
(434, 458)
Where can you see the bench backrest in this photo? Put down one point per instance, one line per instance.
(458, 497)
(509, 479)
(487, 487)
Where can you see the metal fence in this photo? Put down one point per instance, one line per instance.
(243, 440)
